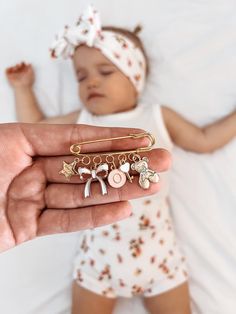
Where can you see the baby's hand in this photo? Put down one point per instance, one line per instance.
(20, 75)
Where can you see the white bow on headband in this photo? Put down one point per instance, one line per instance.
(119, 49)
(85, 31)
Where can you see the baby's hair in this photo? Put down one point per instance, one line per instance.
(137, 29)
(133, 36)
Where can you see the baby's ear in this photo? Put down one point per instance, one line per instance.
(133, 166)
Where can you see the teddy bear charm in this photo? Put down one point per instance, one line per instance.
(146, 175)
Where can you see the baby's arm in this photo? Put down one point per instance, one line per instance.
(21, 78)
(199, 139)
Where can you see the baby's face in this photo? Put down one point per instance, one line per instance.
(103, 88)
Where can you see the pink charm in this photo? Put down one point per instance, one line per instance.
(116, 178)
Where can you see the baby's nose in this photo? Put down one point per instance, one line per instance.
(93, 82)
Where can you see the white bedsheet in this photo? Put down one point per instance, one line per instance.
(192, 47)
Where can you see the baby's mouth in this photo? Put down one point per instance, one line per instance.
(94, 95)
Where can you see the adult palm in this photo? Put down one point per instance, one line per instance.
(36, 200)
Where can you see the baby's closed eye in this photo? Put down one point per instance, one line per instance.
(106, 70)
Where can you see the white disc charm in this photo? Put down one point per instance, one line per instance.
(116, 178)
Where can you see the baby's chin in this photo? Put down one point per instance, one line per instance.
(99, 109)
(103, 107)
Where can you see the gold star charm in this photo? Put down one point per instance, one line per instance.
(68, 169)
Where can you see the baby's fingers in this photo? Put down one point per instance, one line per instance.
(19, 67)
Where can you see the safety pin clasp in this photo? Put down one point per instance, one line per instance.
(75, 149)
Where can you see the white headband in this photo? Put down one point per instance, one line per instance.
(119, 49)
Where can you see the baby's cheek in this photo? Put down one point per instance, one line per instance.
(82, 94)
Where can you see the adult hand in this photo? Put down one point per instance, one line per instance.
(36, 200)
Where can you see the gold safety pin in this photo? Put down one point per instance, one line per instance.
(75, 149)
